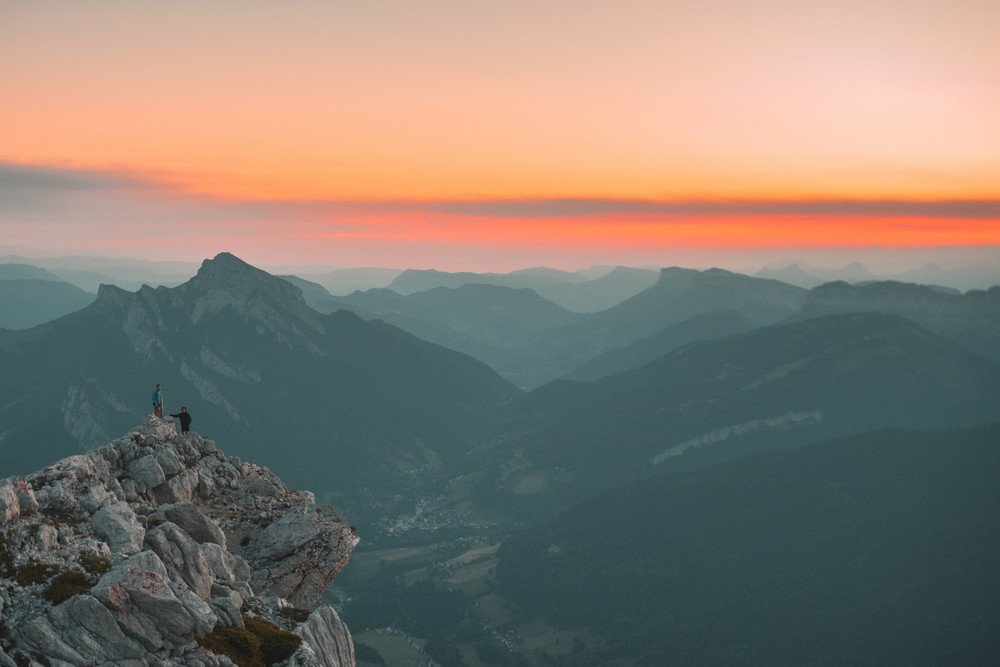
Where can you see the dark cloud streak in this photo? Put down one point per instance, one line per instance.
(977, 209)
(26, 187)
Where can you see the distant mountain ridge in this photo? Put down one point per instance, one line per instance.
(600, 293)
(26, 272)
(351, 400)
(88, 273)
(420, 280)
(30, 296)
(716, 400)
(531, 341)
(812, 276)
(971, 319)
(700, 327)
(574, 291)
(492, 323)
(678, 295)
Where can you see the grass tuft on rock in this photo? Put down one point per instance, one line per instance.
(94, 563)
(259, 644)
(66, 584)
(295, 615)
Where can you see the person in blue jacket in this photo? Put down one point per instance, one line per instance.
(158, 402)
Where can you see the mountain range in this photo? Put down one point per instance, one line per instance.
(30, 296)
(714, 468)
(350, 400)
(971, 319)
(581, 291)
(89, 273)
(962, 279)
(531, 341)
(716, 400)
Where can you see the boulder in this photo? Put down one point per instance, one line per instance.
(192, 521)
(118, 525)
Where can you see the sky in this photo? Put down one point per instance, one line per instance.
(499, 135)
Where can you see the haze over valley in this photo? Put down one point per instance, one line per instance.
(545, 467)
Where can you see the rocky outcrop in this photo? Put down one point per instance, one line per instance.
(158, 550)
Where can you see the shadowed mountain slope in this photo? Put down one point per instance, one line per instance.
(11, 271)
(351, 401)
(700, 327)
(30, 296)
(880, 549)
(683, 293)
(715, 400)
(601, 293)
(495, 324)
(679, 294)
(26, 303)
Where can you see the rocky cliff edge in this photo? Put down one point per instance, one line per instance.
(160, 550)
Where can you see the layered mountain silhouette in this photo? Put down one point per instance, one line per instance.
(700, 327)
(696, 436)
(531, 341)
(713, 401)
(600, 293)
(498, 325)
(879, 549)
(971, 319)
(976, 277)
(678, 294)
(30, 296)
(349, 400)
(683, 293)
(421, 280)
(345, 281)
(579, 292)
(89, 273)
(811, 276)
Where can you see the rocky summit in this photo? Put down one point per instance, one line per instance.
(157, 549)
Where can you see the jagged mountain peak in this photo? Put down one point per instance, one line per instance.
(228, 272)
(226, 281)
(226, 262)
(111, 293)
(141, 550)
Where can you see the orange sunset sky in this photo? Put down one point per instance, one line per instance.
(467, 135)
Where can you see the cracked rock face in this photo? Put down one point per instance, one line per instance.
(133, 552)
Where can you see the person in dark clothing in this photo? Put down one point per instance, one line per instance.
(185, 418)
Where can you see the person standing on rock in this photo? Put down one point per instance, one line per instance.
(185, 418)
(158, 402)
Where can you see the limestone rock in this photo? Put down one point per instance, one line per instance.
(182, 556)
(148, 608)
(174, 539)
(147, 472)
(327, 637)
(117, 525)
(10, 508)
(192, 521)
